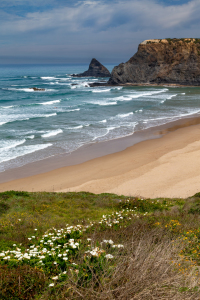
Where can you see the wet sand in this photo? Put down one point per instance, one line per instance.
(166, 165)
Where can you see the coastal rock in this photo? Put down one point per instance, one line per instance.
(96, 69)
(37, 89)
(167, 61)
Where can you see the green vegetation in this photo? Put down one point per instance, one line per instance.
(86, 246)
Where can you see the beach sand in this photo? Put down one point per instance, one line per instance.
(168, 166)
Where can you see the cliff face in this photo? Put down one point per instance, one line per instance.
(161, 62)
(96, 69)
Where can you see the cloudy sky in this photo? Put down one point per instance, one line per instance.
(74, 31)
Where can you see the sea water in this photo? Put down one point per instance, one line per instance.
(67, 113)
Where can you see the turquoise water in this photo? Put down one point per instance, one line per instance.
(68, 113)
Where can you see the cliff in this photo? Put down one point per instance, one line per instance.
(96, 69)
(167, 61)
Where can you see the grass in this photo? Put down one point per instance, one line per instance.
(86, 246)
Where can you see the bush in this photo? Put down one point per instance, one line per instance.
(22, 282)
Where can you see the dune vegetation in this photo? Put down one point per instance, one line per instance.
(87, 246)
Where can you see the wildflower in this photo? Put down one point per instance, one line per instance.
(51, 284)
(65, 258)
(55, 278)
(109, 256)
(14, 245)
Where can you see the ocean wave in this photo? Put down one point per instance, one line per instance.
(28, 90)
(101, 90)
(76, 127)
(49, 78)
(5, 145)
(30, 137)
(10, 106)
(50, 102)
(123, 98)
(103, 103)
(124, 115)
(108, 129)
(50, 115)
(51, 133)
(75, 109)
(79, 84)
(14, 118)
(21, 151)
(171, 96)
(103, 121)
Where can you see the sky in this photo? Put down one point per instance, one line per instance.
(75, 31)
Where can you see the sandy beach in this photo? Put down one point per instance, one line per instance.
(162, 167)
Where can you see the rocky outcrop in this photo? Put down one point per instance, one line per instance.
(167, 61)
(96, 69)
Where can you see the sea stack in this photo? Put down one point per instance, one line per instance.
(165, 61)
(96, 69)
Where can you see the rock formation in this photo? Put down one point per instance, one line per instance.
(96, 69)
(167, 61)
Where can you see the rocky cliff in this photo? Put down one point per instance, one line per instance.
(167, 61)
(96, 69)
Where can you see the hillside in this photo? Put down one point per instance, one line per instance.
(166, 61)
(87, 246)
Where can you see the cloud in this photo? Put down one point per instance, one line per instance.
(107, 26)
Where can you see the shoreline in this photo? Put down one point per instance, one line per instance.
(142, 164)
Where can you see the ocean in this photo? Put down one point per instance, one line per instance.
(68, 114)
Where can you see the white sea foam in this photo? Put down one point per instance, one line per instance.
(100, 90)
(48, 78)
(108, 129)
(75, 109)
(30, 137)
(50, 115)
(103, 121)
(5, 144)
(123, 98)
(51, 133)
(80, 85)
(171, 96)
(5, 107)
(29, 90)
(50, 102)
(103, 103)
(76, 127)
(21, 151)
(124, 115)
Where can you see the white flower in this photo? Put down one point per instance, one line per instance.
(88, 240)
(55, 278)
(14, 245)
(65, 258)
(51, 284)
(35, 229)
(2, 254)
(110, 242)
(109, 256)
(55, 263)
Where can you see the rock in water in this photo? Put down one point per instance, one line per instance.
(167, 61)
(96, 69)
